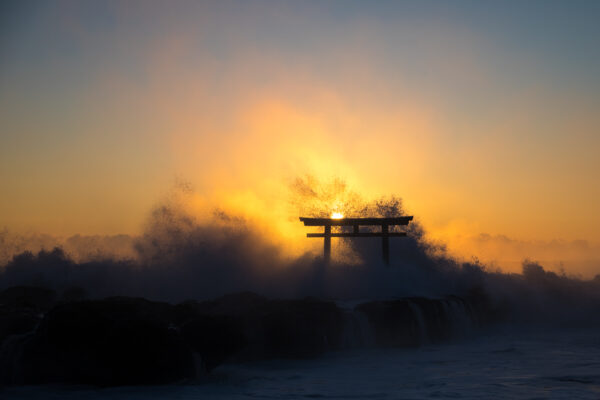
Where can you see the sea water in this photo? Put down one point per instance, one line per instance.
(507, 363)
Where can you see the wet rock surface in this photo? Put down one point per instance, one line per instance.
(131, 341)
(281, 328)
(415, 321)
(22, 308)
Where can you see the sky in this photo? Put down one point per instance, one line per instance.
(482, 115)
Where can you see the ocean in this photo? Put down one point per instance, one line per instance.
(504, 363)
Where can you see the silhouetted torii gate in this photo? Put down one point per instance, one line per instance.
(385, 233)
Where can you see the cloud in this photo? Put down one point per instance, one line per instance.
(574, 257)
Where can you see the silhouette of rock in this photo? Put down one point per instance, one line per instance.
(281, 328)
(107, 342)
(301, 328)
(30, 297)
(123, 340)
(22, 308)
(214, 337)
(393, 322)
(414, 321)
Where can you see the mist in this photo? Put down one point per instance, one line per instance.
(181, 255)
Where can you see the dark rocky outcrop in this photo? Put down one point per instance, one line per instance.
(281, 328)
(414, 321)
(272, 328)
(116, 341)
(214, 337)
(22, 308)
(108, 342)
(123, 340)
(392, 322)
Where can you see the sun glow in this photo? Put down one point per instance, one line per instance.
(337, 215)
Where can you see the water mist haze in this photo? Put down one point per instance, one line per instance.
(155, 159)
(182, 256)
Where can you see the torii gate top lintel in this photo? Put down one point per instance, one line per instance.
(356, 221)
(385, 234)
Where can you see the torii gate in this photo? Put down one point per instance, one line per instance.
(385, 233)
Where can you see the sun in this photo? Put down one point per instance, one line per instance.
(337, 215)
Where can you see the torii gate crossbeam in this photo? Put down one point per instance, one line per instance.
(384, 234)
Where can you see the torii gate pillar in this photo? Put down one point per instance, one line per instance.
(384, 234)
(327, 244)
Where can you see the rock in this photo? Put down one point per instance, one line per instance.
(214, 337)
(414, 321)
(133, 341)
(22, 308)
(28, 297)
(301, 328)
(120, 341)
(393, 322)
(108, 342)
(281, 328)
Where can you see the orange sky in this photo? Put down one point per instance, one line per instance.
(104, 106)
